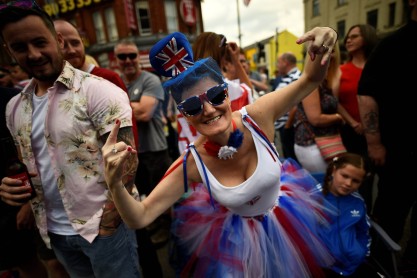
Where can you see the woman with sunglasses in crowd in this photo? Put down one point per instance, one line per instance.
(226, 54)
(255, 217)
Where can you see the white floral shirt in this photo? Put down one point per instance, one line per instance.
(81, 108)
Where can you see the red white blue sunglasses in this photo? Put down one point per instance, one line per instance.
(193, 106)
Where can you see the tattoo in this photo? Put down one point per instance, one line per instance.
(371, 122)
(110, 219)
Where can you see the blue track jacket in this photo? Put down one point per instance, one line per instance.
(347, 235)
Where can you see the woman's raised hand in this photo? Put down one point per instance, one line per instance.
(234, 51)
(116, 157)
(322, 41)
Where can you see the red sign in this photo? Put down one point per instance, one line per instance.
(130, 15)
(188, 12)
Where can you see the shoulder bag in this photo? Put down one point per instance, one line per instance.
(330, 146)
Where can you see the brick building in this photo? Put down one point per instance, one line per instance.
(102, 23)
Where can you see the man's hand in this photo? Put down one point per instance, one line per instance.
(13, 192)
(377, 153)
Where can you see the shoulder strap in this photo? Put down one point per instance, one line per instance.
(191, 148)
(271, 149)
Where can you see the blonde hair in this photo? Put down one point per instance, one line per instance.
(90, 59)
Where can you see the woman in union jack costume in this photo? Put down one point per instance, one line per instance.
(254, 216)
(226, 54)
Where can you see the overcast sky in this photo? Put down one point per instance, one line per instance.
(258, 21)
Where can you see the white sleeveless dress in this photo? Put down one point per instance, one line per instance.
(263, 227)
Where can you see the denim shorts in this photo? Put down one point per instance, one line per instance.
(107, 256)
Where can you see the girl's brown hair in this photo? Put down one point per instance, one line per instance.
(340, 162)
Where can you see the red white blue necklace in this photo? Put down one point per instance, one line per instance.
(225, 152)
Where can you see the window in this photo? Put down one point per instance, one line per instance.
(171, 16)
(341, 28)
(372, 18)
(316, 8)
(99, 27)
(111, 25)
(341, 2)
(391, 15)
(144, 19)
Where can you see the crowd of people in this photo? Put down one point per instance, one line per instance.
(241, 198)
(316, 115)
(381, 115)
(231, 155)
(360, 40)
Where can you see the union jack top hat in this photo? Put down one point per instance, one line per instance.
(172, 57)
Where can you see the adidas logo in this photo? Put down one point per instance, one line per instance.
(355, 213)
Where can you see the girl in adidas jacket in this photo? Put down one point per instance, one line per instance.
(347, 232)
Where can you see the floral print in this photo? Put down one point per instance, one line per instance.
(81, 108)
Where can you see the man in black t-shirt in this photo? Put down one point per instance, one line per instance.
(387, 83)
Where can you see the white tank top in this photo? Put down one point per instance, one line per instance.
(256, 195)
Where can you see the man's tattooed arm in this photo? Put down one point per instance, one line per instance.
(371, 122)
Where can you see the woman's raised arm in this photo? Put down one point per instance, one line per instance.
(319, 45)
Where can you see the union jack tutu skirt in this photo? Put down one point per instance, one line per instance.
(211, 241)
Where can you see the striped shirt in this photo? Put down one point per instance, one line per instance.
(291, 76)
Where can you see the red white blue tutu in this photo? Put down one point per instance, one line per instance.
(211, 241)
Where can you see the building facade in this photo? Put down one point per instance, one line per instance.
(385, 15)
(102, 23)
(265, 52)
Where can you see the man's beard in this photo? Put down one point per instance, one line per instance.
(50, 75)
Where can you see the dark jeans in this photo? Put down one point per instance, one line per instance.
(397, 194)
(16, 246)
(152, 167)
(148, 258)
(107, 256)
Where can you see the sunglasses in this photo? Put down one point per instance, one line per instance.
(124, 56)
(193, 106)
